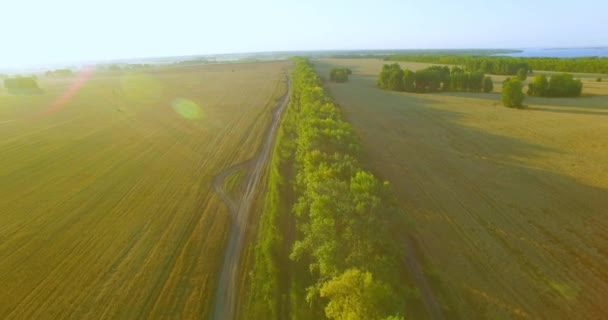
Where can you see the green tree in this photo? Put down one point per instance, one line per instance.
(522, 74)
(458, 80)
(339, 75)
(20, 82)
(488, 84)
(391, 77)
(538, 86)
(564, 85)
(428, 80)
(355, 295)
(409, 80)
(476, 81)
(512, 96)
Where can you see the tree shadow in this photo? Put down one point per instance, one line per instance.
(568, 111)
(590, 102)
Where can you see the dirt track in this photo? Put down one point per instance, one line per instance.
(224, 304)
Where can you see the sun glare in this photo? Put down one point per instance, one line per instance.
(81, 79)
(187, 108)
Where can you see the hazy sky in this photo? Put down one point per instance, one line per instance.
(40, 32)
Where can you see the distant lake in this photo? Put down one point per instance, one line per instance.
(561, 52)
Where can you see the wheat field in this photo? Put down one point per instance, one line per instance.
(106, 209)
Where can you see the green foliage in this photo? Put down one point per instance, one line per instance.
(268, 277)
(356, 295)
(342, 216)
(485, 64)
(564, 85)
(488, 84)
(538, 86)
(428, 80)
(19, 83)
(512, 96)
(391, 77)
(339, 74)
(560, 85)
(409, 80)
(522, 74)
(511, 65)
(432, 79)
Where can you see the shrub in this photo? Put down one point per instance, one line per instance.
(391, 77)
(512, 97)
(522, 74)
(21, 83)
(564, 85)
(488, 84)
(339, 74)
(560, 85)
(539, 85)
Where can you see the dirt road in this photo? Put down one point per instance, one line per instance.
(225, 295)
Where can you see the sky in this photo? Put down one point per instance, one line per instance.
(36, 32)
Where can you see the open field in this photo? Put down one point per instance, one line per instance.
(509, 206)
(106, 207)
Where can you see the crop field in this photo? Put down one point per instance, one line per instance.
(509, 207)
(106, 207)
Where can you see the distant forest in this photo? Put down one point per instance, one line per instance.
(386, 54)
(432, 79)
(510, 65)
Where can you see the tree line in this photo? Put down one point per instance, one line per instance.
(59, 73)
(485, 64)
(325, 246)
(511, 65)
(432, 79)
(558, 85)
(19, 83)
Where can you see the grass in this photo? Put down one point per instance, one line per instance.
(248, 256)
(234, 182)
(106, 207)
(509, 205)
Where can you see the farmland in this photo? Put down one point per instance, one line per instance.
(106, 207)
(508, 206)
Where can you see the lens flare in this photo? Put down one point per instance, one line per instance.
(187, 108)
(80, 80)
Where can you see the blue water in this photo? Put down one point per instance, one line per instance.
(561, 52)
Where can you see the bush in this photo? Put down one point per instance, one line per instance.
(339, 74)
(19, 83)
(539, 85)
(560, 85)
(431, 79)
(391, 77)
(598, 79)
(522, 74)
(488, 84)
(512, 97)
(564, 85)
